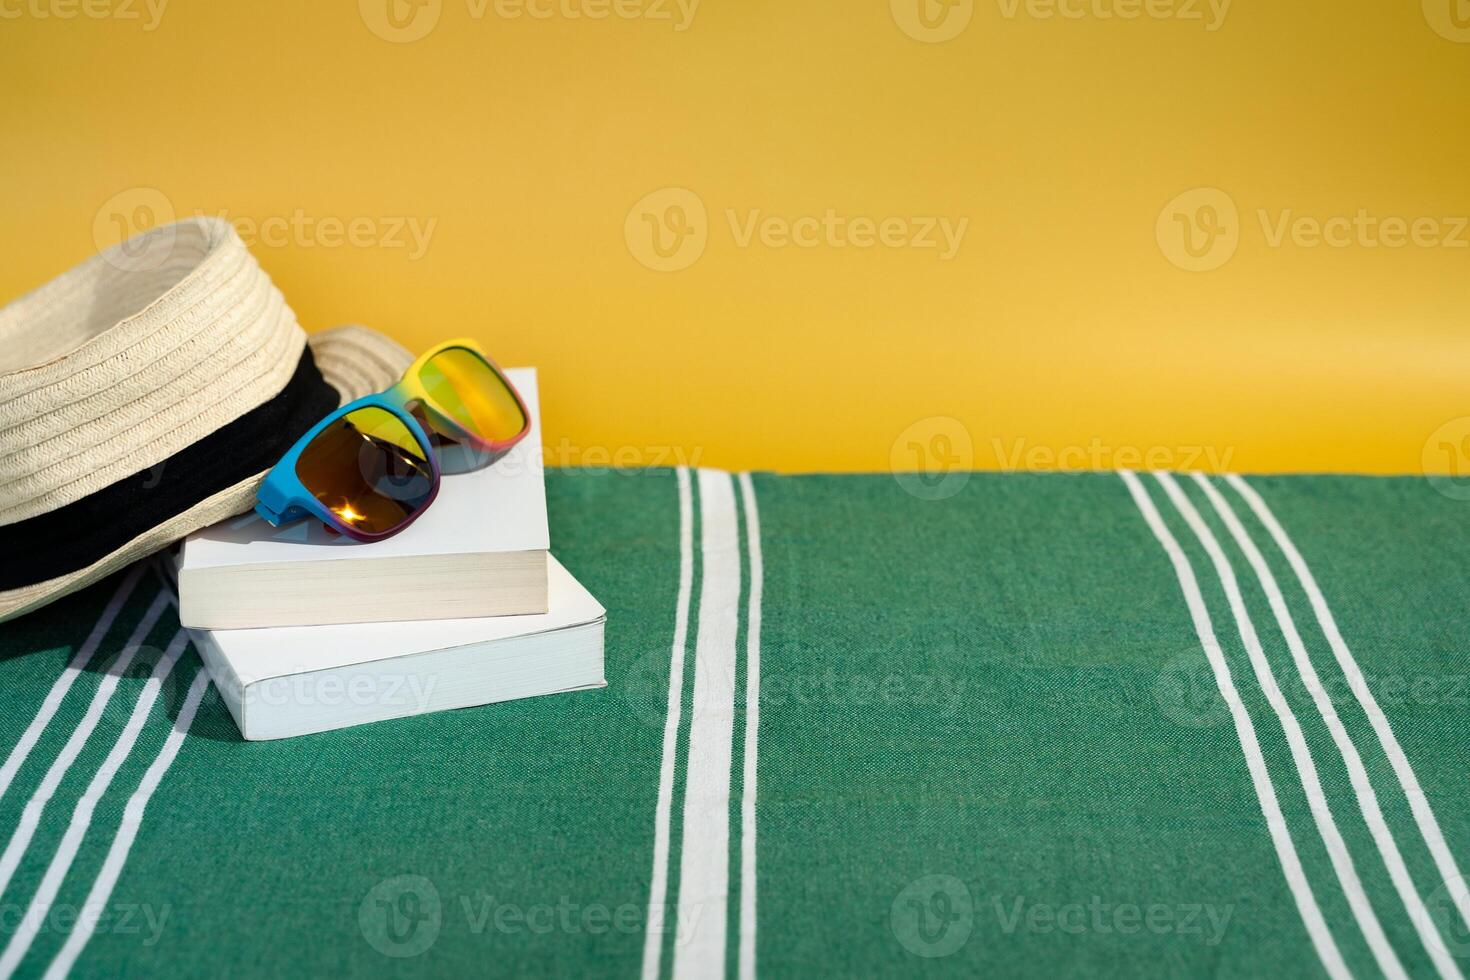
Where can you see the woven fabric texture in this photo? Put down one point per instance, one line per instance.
(1047, 725)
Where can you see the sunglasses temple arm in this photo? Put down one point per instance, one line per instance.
(275, 505)
(276, 519)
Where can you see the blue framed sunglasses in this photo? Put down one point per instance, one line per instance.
(372, 467)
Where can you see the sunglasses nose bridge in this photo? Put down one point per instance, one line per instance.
(413, 404)
(433, 432)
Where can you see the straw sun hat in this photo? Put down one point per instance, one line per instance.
(145, 393)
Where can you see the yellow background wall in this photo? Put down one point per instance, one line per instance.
(1072, 325)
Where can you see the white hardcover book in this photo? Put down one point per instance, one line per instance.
(479, 550)
(299, 680)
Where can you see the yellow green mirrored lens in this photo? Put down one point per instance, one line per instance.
(368, 469)
(462, 386)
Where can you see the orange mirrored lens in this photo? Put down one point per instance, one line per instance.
(463, 386)
(369, 470)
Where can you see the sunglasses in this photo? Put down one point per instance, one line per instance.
(373, 466)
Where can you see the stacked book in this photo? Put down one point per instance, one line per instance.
(304, 631)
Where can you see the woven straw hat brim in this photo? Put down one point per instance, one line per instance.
(172, 355)
(132, 355)
(355, 360)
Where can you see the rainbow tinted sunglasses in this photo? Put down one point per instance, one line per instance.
(372, 467)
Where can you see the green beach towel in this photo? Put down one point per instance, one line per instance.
(1016, 725)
